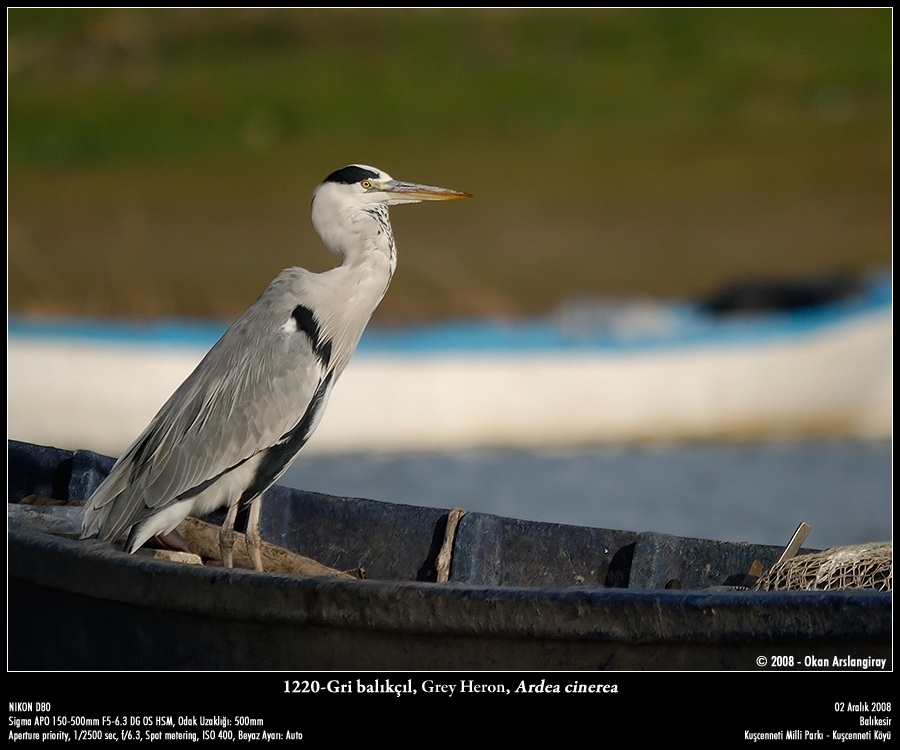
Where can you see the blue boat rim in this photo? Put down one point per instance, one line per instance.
(590, 327)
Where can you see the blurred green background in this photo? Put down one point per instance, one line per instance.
(161, 161)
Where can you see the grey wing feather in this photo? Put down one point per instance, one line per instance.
(248, 392)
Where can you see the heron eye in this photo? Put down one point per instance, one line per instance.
(366, 184)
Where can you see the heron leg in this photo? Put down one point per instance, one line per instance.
(253, 537)
(226, 536)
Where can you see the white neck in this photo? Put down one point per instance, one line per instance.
(355, 232)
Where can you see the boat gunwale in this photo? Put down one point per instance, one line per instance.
(97, 569)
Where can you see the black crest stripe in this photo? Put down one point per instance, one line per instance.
(350, 175)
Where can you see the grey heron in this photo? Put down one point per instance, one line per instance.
(240, 418)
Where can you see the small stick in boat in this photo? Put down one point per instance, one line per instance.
(445, 556)
(793, 546)
(203, 539)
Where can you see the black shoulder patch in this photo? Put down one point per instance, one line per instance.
(306, 322)
(350, 175)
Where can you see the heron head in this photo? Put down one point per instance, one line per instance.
(354, 199)
(360, 184)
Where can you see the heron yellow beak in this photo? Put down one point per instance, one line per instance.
(411, 191)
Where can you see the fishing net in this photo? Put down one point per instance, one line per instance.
(862, 566)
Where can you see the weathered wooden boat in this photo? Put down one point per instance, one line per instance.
(520, 595)
(797, 361)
